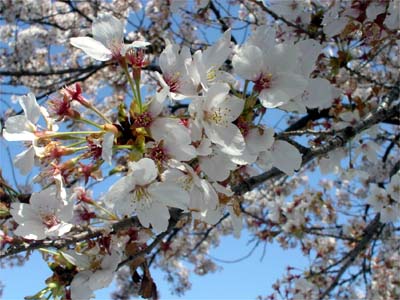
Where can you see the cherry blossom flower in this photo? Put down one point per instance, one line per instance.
(206, 64)
(217, 165)
(96, 269)
(379, 200)
(175, 80)
(393, 188)
(273, 68)
(281, 155)
(172, 137)
(257, 140)
(24, 128)
(203, 196)
(140, 192)
(304, 289)
(215, 113)
(46, 215)
(108, 39)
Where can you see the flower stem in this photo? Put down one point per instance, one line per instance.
(246, 83)
(95, 204)
(136, 92)
(124, 147)
(67, 133)
(100, 114)
(79, 148)
(139, 95)
(90, 123)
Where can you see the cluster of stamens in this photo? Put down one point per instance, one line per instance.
(263, 82)
(157, 153)
(173, 82)
(218, 115)
(50, 220)
(142, 120)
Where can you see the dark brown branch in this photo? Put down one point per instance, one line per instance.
(75, 9)
(176, 215)
(51, 72)
(84, 234)
(224, 25)
(208, 231)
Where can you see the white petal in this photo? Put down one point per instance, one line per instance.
(263, 38)
(210, 196)
(144, 171)
(283, 88)
(157, 215)
(234, 106)
(259, 139)
(106, 147)
(25, 160)
(204, 148)
(47, 200)
(319, 93)
(247, 62)
(308, 51)
(77, 259)
(18, 128)
(216, 167)
(157, 103)
(160, 127)
(222, 189)
(66, 212)
(134, 45)
(213, 216)
(23, 212)
(179, 150)
(91, 47)
(216, 55)
(31, 230)
(80, 286)
(119, 192)
(286, 157)
(168, 59)
(108, 30)
(58, 230)
(227, 136)
(216, 95)
(169, 194)
(101, 279)
(30, 107)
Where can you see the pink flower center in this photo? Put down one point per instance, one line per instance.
(263, 82)
(158, 153)
(50, 220)
(95, 149)
(137, 58)
(142, 120)
(173, 82)
(115, 46)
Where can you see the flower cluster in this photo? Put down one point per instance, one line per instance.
(185, 141)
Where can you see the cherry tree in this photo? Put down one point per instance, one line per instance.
(175, 103)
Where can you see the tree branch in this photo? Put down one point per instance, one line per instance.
(369, 232)
(288, 23)
(381, 114)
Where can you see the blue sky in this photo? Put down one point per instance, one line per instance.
(243, 280)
